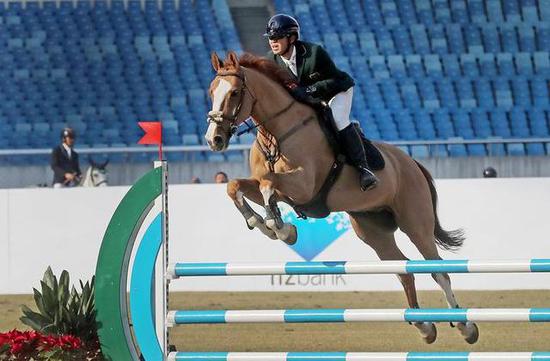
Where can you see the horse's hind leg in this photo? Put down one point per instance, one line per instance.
(469, 330)
(377, 230)
(237, 189)
(417, 221)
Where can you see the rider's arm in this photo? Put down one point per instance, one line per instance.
(336, 81)
(54, 163)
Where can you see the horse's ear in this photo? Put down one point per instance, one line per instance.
(104, 165)
(216, 62)
(232, 60)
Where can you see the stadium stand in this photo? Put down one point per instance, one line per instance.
(425, 69)
(440, 70)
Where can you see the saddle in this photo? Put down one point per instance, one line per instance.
(317, 207)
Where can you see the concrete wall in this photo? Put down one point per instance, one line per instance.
(502, 218)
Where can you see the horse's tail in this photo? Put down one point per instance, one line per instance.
(449, 240)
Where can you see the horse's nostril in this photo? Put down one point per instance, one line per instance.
(218, 140)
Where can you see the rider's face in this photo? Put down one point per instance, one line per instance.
(278, 46)
(69, 141)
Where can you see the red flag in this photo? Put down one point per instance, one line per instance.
(153, 134)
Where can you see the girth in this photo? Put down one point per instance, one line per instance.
(317, 207)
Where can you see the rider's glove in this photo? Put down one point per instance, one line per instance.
(311, 90)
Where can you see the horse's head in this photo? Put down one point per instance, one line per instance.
(96, 176)
(232, 102)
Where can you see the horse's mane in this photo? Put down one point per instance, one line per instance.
(266, 67)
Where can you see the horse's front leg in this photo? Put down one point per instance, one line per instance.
(238, 189)
(286, 232)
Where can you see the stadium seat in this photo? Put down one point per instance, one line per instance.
(423, 69)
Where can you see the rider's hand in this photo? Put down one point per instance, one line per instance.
(69, 176)
(311, 90)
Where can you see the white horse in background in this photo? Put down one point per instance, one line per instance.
(95, 175)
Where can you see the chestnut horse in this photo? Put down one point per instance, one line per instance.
(291, 159)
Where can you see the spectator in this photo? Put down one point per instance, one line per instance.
(489, 172)
(64, 161)
(220, 177)
(196, 180)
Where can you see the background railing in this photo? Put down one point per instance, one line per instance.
(434, 147)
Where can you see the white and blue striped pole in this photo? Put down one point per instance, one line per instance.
(359, 356)
(370, 267)
(359, 315)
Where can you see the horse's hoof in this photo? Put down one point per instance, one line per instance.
(470, 331)
(428, 331)
(256, 222)
(429, 339)
(292, 236)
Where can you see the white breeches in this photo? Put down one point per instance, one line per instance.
(341, 108)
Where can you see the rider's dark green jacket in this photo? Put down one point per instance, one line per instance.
(316, 68)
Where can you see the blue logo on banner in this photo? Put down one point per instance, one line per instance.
(315, 235)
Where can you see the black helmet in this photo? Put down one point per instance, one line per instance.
(489, 172)
(68, 133)
(282, 25)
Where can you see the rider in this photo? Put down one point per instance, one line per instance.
(317, 75)
(64, 161)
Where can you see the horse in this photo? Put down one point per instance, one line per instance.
(291, 159)
(95, 175)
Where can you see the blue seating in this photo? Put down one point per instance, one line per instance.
(457, 150)
(397, 66)
(469, 65)
(414, 66)
(454, 37)
(447, 95)
(500, 124)
(476, 150)
(542, 63)
(535, 149)
(420, 151)
(410, 96)
(517, 149)
(538, 124)
(424, 69)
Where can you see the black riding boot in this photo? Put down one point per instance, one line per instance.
(355, 149)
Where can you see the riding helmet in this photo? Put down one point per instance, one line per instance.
(67, 133)
(282, 25)
(490, 172)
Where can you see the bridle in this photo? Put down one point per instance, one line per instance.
(218, 117)
(272, 155)
(92, 177)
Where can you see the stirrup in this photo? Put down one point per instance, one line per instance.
(365, 172)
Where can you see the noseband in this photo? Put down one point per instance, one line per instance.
(93, 179)
(218, 117)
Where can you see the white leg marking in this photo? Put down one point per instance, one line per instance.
(240, 198)
(445, 285)
(267, 192)
(284, 231)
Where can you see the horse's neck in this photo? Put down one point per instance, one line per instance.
(272, 99)
(87, 181)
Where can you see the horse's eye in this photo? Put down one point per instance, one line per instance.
(234, 92)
